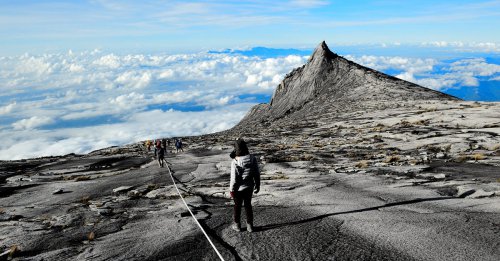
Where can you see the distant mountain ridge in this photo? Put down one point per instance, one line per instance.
(265, 52)
(329, 82)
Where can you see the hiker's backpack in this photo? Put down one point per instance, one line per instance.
(244, 173)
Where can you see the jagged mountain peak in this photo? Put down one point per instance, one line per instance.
(322, 51)
(329, 83)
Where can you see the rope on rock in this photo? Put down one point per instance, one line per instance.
(198, 223)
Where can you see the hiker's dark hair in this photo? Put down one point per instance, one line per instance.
(240, 148)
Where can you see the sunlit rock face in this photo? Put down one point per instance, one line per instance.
(329, 83)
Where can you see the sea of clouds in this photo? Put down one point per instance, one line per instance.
(60, 103)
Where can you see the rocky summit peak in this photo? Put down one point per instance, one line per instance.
(329, 83)
(322, 51)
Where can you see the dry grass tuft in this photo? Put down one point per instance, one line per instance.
(498, 180)
(421, 122)
(414, 162)
(82, 178)
(85, 200)
(279, 176)
(91, 236)
(362, 164)
(478, 156)
(14, 249)
(392, 159)
(307, 157)
(461, 159)
(2, 210)
(496, 147)
(153, 186)
(405, 123)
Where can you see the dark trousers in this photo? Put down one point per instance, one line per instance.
(240, 198)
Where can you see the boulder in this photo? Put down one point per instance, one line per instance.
(168, 192)
(57, 191)
(122, 189)
(440, 176)
(464, 191)
(481, 194)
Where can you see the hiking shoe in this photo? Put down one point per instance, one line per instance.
(236, 227)
(250, 227)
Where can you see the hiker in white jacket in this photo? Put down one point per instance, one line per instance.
(245, 179)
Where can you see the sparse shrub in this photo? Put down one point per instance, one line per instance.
(391, 159)
(279, 176)
(307, 157)
(82, 178)
(318, 145)
(421, 122)
(362, 164)
(414, 162)
(481, 147)
(478, 156)
(379, 127)
(405, 123)
(153, 186)
(14, 249)
(85, 200)
(476, 105)
(433, 149)
(91, 236)
(461, 159)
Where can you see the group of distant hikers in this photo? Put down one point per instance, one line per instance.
(244, 178)
(160, 148)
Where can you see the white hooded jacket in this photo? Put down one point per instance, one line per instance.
(244, 173)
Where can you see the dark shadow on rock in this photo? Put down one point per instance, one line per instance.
(8, 190)
(407, 202)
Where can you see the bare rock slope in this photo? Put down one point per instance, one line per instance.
(330, 83)
(356, 165)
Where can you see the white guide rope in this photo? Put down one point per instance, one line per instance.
(198, 223)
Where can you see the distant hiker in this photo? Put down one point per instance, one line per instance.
(157, 146)
(178, 145)
(164, 143)
(161, 156)
(245, 179)
(148, 145)
(168, 142)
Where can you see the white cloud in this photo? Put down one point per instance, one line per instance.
(127, 101)
(112, 61)
(309, 3)
(33, 122)
(176, 97)
(133, 80)
(139, 126)
(7, 108)
(413, 65)
(407, 76)
(464, 72)
(477, 66)
(486, 47)
(94, 86)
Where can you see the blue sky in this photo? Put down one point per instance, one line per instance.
(76, 76)
(179, 26)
